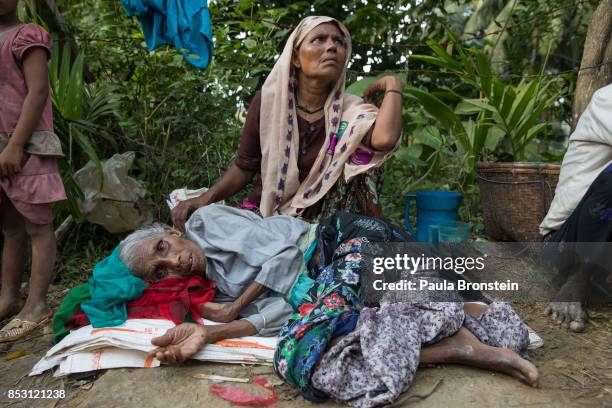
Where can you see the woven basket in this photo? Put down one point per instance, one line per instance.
(515, 197)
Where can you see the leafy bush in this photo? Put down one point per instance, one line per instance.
(184, 123)
(489, 115)
(79, 114)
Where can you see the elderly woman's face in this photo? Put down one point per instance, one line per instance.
(322, 53)
(168, 256)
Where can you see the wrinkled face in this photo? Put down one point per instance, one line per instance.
(8, 6)
(168, 256)
(322, 53)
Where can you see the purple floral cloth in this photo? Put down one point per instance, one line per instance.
(374, 364)
(501, 327)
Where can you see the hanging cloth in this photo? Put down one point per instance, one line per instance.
(185, 24)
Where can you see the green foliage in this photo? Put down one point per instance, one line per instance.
(357, 88)
(184, 124)
(489, 114)
(79, 112)
(84, 245)
(66, 81)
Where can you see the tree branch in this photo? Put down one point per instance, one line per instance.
(597, 52)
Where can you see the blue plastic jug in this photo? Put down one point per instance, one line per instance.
(433, 207)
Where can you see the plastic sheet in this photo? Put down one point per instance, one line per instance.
(88, 349)
(114, 200)
(182, 194)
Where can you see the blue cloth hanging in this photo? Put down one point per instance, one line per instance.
(185, 24)
(111, 286)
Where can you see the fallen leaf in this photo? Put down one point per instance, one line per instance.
(87, 386)
(14, 355)
(276, 382)
(558, 363)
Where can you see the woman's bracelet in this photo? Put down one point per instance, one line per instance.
(395, 91)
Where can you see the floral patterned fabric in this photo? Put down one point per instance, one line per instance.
(331, 307)
(374, 364)
(359, 196)
(500, 326)
(379, 355)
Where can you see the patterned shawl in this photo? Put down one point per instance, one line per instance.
(347, 120)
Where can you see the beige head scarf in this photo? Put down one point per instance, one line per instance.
(347, 120)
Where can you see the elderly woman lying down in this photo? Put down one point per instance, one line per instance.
(156, 273)
(281, 269)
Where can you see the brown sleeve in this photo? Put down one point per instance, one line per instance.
(249, 152)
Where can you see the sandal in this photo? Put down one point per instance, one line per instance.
(18, 328)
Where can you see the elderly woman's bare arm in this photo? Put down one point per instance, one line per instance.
(183, 341)
(233, 180)
(388, 125)
(226, 312)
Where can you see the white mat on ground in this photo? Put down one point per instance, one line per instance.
(89, 349)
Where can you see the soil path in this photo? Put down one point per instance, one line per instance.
(575, 370)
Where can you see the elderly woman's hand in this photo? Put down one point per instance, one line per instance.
(383, 84)
(180, 343)
(219, 312)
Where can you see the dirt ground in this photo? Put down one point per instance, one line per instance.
(575, 370)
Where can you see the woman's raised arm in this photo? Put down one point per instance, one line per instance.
(389, 123)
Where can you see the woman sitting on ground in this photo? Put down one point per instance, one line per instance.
(579, 220)
(280, 268)
(315, 148)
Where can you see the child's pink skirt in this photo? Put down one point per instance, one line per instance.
(34, 190)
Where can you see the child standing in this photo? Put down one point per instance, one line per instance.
(29, 178)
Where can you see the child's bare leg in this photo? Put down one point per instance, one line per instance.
(13, 256)
(465, 348)
(43, 262)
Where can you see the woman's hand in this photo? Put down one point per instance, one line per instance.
(179, 343)
(183, 341)
(183, 210)
(382, 85)
(219, 312)
(234, 179)
(10, 160)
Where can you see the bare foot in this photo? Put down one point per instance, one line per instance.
(34, 313)
(8, 307)
(465, 348)
(570, 315)
(568, 308)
